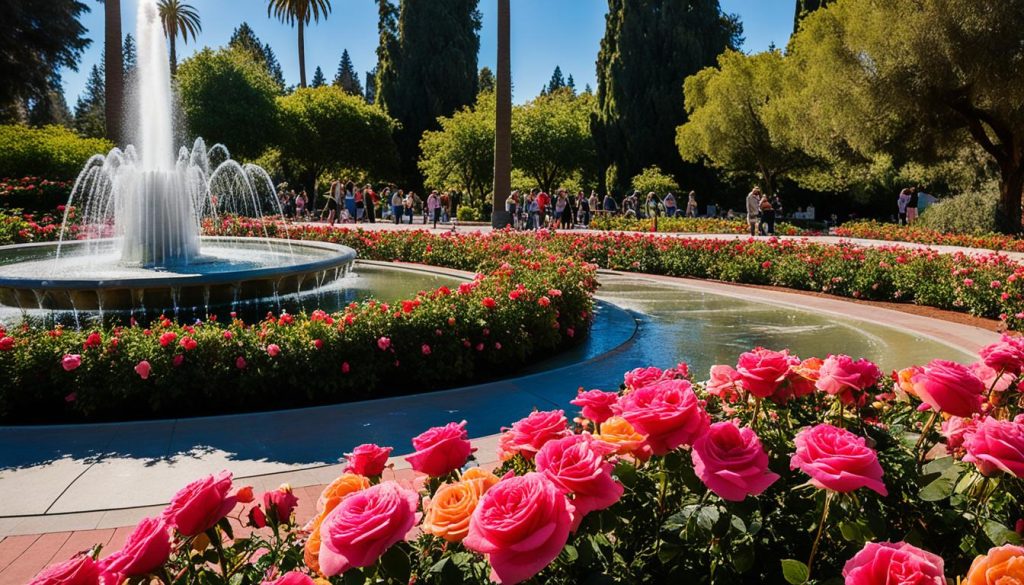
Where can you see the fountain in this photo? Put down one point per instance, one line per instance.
(138, 242)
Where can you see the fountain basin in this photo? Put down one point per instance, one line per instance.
(91, 277)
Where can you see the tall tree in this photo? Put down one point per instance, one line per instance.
(39, 38)
(130, 52)
(90, 111)
(503, 119)
(571, 84)
(427, 67)
(370, 94)
(113, 66)
(486, 80)
(346, 78)
(178, 18)
(551, 138)
(556, 83)
(319, 80)
(51, 109)
(245, 39)
(639, 80)
(299, 13)
(805, 7)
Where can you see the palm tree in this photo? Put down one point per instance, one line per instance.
(178, 18)
(502, 121)
(113, 62)
(301, 12)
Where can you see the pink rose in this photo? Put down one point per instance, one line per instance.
(668, 412)
(520, 525)
(762, 371)
(837, 460)
(1006, 355)
(441, 450)
(364, 525)
(596, 404)
(992, 378)
(240, 363)
(282, 501)
(273, 350)
(723, 383)
(956, 430)
(198, 506)
(841, 376)
(731, 462)
(142, 369)
(6, 343)
(577, 466)
(949, 387)
(528, 435)
(641, 377)
(292, 578)
(384, 343)
(70, 362)
(80, 570)
(148, 547)
(899, 562)
(367, 460)
(996, 445)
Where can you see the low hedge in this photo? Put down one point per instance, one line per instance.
(52, 151)
(916, 234)
(689, 225)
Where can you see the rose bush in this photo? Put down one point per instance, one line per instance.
(692, 225)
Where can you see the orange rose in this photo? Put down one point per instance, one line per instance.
(904, 379)
(311, 552)
(448, 512)
(1003, 565)
(480, 474)
(333, 494)
(617, 432)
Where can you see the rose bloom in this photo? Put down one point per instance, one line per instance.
(367, 460)
(292, 578)
(282, 501)
(842, 376)
(520, 525)
(620, 435)
(528, 435)
(640, 377)
(724, 383)
(762, 371)
(143, 369)
(198, 506)
(147, 548)
(668, 412)
(996, 445)
(837, 460)
(1006, 355)
(577, 466)
(731, 462)
(70, 362)
(596, 404)
(441, 450)
(888, 562)
(80, 570)
(447, 514)
(949, 387)
(991, 378)
(1003, 565)
(365, 525)
(486, 479)
(804, 377)
(338, 490)
(956, 430)
(904, 379)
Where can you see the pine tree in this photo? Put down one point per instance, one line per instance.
(370, 93)
(347, 78)
(130, 53)
(639, 82)
(571, 84)
(805, 7)
(557, 82)
(245, 39)
(318, 78)
(273, 66)
(427, 68)
(90, 116)
(588, 89)
(486, 80)
(51, 109)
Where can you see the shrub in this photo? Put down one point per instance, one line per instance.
(653, 179)
(467, 213)
(53, 152)
(971, 213)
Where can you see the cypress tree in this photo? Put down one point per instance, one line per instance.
(370, 93)
(347, 78)
(805, 7)
(90, 116)
(318, 78)
(427, 68)
(649, 48)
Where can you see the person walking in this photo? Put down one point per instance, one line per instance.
(534, 210)
(543, 204)
(300, 205)
(561, 203)
(585, 205)
(901, 205)
(334, 200)
(409, 203)
(609, 206)
(691, 204)
(370, 201)
(915, 196)
(767, 215)
(434, 207)
(753, 209)
(397, 206)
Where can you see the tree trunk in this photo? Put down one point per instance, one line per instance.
(174, 58)
(113, 62)
(1011, 187)
(503, 121)
(302, 55)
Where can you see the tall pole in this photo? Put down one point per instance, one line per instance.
(503, 120)
(113, 65)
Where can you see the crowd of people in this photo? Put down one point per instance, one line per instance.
(536, 209)
(346, 202)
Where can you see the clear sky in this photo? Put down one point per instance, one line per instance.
(545, 33)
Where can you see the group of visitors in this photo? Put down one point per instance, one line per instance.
(345, 202)
(762, 209)
(293, 206)
(536, 209)
(907, 204)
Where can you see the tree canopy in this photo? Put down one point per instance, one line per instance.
(244, 38)
(551, 138)
(461, 153)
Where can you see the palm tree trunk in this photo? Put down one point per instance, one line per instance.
(503, 120)
(302, 55)
(174, 58)
(113, 63)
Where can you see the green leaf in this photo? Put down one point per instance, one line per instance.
(942, 487)
(707, 517)
(999, 534)
(570, 554)
(353, 577)
(743, 558)
(225, 525)
(794, 571)
(395, 564)
(668, 551)
(739, 524)
(937, 466)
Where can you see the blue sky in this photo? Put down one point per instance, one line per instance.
(545, 33)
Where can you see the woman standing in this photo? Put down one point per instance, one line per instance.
(670, 205)
(767, 225)
(434, 207)
(691, 204)
(333, 201)
(350, 200)
(585, 207)
(300, 205)
(512, 208)
(397, 203)
(561, 203)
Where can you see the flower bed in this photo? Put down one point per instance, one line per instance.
(774, 470)
(17, 227)
(525, 303)
(35, 193)
(689, 225)
(874, 230)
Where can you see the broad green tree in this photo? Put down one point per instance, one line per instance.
(299, 13)
(649, 48)
(346, 78)
(426, 68)
(113, 67)
(228, 97)
(805, 7)
(327, 130)
(914, 80)
(461, 154)
(730, 119)
(178, 19)
(551, 138)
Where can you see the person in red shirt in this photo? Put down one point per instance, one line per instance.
(543, 201)
(371, 199)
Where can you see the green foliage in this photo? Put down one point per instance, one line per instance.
(228, 97)
(90, 111)
(640, 77)
(652, 179)
(53, 151)
(551, 138)
(347, 78)
(326, 129)
(556, 83)
(461, 154)
(486, 81)
(426, 67)
(467, 213)
(319, 80)
(970, 213)
(244, 38)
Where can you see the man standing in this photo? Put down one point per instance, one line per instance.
(754, 209)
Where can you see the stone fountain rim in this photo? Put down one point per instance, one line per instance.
(344, 255)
